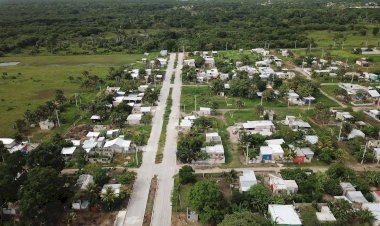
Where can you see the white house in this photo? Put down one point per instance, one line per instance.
(88, 145)
(275, 152)
(68, 151)
(247, 180)
(162, 62)
(189, 62)
(118, 145)
(343, 116)
(115, 188)
(263, 127)
(212, 73)
(164, 53)
(215, 153)
(296, 124)
(185, 125)
(355, 133)
(312, 139)
(142, 88)
(356, 197)
(284, 215)
(204, 111)
(209, 61)
(84, 180)
(325, 215)
(213, 138)
(93, 135)
(346, 187)
(8, 142)
(46, 125)
(281, 186)
(134, 119)
(135, 73)
(374, 208)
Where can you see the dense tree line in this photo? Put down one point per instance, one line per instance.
(91, 27)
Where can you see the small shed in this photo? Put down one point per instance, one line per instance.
(204, 111)
(46, 125)
(247, 180)
(346, 186)
(325, 215)
(134, 119)
(356, 197)
(95, 118)
(284, 215)
(68, 151)
(291, 186)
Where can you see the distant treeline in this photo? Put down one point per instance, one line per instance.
(94, 27)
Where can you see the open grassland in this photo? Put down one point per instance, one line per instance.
(35, 80)
(325, 38)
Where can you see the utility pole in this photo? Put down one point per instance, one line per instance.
(226, 45)
(261, 102)
(76, 101)
(56, 113)
(365, 150)
(247, 158)
(295, 44)
(340, 131)
(137, 158)
(309, 104)
(195, 103)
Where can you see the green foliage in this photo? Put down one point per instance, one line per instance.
(99, 174)
(244, 218)
(126, 177)
(342, 210)
(46, 155)
(39, 190)
(207, 200)
(186, 175)
(189, 148)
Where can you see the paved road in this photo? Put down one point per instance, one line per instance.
(162, 210)
(136, 208)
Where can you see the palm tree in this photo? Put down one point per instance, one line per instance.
(109, 198)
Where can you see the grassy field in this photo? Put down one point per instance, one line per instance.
(35, 80)
(326, 38)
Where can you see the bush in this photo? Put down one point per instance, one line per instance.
(126, 178)
(186, 175)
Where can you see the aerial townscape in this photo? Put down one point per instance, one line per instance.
(189, 112)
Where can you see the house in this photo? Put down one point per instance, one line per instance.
(204, 111)
(93, 135)
(11, 208)
(247, 180)
(115, 188)
(275, 141)
(95, 118)
(215, 153)
(303, 155)
(142, 88)
(189, 62)
(294, 98)
(374, 208)
(374, 113)
(80, 204)
(89, 145)
(250, 70)
(84, 180)
(135, 73)
(284, 52)
(272, 152)
(308, 100)
(162, 62)
(112, 133)
(8, 142)
(209, 61)
(376, 196)
(325, 215)
(370, 76)
(312, 139)
(68, 151)
(118, 145)
(362, 62)
(346, 187)
(355, 133)
(263, 127)
(46, 125)
(185, 125)
(163, 53)
(265, 73)
(296, 124)
(134, 119)
(356, 197)
(145, 110)
(343, 116)
(212, 73)
(110, 89)
(213, 138)
(284, 215)
(281, 186)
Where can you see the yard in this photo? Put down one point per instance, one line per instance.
(36, 78)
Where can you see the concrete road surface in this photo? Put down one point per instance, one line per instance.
(162, 209)
(136, 207)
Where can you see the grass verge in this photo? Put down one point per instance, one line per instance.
(149, 205)
(161, 142)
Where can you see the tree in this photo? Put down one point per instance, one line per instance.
(99, 174)
(109, 198)
(151, 95)
(217, 86)
(189, 148)
(20, 125)
(244, 218)
(46, 155)
(186, 175)
(118, 119)
(239, 104)
(364, 216)
(207, 200)
(375, 31)
(59, 97)
(80, 157)
(199, 61)
(342, 210)
(39, 190)
(126, 177)
(146, 119)
(259, 197)
(338, 171)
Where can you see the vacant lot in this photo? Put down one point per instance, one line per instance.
(35, 80)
